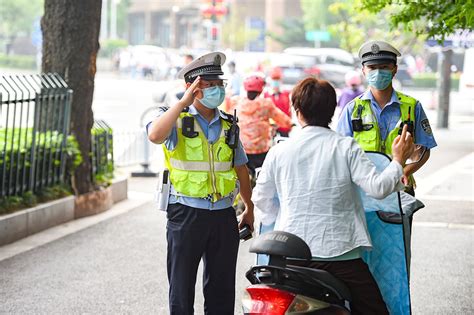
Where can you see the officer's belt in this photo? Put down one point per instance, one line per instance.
(200, 166)
(208, 198)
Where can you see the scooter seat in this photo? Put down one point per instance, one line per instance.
(279, 243)
(324, 277)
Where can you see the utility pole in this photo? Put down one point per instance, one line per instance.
(213, 27)
(444, 86)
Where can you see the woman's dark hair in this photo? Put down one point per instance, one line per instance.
(251, 95)
(315, 100)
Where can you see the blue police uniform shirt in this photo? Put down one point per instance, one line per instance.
(212, 131)
(388, 118)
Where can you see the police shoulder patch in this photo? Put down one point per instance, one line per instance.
(425, 124)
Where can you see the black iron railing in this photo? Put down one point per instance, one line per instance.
(102, 151)
(34, 124)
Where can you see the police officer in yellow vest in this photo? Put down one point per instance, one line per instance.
(375, 118)
(207, 167)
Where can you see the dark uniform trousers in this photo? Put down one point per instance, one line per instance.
(212, 235)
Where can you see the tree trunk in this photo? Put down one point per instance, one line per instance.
(70, 45)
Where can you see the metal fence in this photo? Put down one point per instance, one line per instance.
(102, 150)
(132, 147)
(34, 124)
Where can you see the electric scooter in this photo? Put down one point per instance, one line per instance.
(277, 287)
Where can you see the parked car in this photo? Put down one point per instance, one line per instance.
(294, 68)
(333, 63)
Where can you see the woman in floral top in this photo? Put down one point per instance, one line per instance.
(254, 114)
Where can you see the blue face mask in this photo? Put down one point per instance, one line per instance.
(212, 97)
(379, 78)
(275, 84)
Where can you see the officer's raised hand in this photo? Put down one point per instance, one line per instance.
(192, 90)
(161, 126)
(403, 146)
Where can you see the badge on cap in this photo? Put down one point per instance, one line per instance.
(375, 49)
(217, 60)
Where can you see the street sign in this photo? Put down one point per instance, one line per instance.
(258, 25)
(318, 35)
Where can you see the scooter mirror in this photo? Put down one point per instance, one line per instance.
(417, 155)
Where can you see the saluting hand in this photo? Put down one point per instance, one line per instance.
(191, 92)
(403, 146)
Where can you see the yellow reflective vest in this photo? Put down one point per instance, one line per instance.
(199, 168)
(371, 140)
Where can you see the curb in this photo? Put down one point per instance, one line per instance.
(26, 222)
(135, 200)
(23, 223)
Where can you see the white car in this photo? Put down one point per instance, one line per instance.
(333, 63)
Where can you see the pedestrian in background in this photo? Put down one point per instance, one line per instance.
(376, 117)
(352, 90)
(308, 187)
(235, 80)
(255, 113)
(280, 98)
(205, 161)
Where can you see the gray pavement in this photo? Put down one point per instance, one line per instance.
(117, 264)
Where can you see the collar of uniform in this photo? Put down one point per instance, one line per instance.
(193, 111)
(369, 96)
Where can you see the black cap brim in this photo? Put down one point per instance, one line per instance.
(378, 62)
(207, 77)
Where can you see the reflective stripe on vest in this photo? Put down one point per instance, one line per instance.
(198, 168)
(371, 140)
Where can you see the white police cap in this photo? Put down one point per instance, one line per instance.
(207, 66)
(378, 52)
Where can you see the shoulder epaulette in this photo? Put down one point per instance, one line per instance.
(226, 117)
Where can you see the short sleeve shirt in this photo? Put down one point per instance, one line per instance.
(211, 131)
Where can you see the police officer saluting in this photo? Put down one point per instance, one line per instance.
(376, 117)
(207, 165)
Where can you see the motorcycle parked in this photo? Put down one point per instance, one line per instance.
(278, 287)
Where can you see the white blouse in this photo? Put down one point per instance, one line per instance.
(308, 185)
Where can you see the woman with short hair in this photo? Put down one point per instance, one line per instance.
(308, 187)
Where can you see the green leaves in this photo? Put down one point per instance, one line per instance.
(434, 18)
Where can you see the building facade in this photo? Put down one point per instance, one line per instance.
(192, 24)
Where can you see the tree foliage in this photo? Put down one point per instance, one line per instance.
(350, 24)
(437, 17)
(17, 16)
(235, 33)
(293, 33)
(316, 15)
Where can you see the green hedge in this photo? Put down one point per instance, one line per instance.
(28, 199)
(429, 80)
(17, 61)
